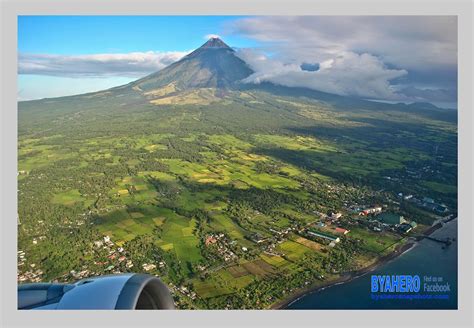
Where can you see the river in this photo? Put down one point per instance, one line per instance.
(427, 258)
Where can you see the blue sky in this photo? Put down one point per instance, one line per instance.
(119, 34)
(83, 35)
(397, 58)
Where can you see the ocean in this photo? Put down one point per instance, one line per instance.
(427, 259)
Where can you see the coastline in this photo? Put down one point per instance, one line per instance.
(351, 275)
(345, 277)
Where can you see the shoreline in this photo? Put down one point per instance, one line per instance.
(351, 275)
(345, 277)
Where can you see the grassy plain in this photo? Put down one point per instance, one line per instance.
(188, 167)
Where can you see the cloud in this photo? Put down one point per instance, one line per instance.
(347, 74)
(135, 64)
(437, 95)
(380, 57)
(405, 41)
(211, 36)
(355, 53)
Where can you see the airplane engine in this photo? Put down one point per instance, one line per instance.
(129, 291)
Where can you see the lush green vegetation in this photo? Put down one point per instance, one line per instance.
(160, 180)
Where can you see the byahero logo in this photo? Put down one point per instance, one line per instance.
(395, 284)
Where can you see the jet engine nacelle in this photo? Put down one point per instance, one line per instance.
(129, 291)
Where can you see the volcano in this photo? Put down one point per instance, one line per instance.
(212, 73)
(213, 65)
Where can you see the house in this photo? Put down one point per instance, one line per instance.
(324, 236)
(390, 218)
(371, 210)
(257, 238)
(341, 230)
(441, 209)
(404, 228)
(276, 231)
(210, 240)
(148, 267)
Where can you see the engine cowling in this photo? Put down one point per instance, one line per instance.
(129, 291)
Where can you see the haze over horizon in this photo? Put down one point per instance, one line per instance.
(396, 59)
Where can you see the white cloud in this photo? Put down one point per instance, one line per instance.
(405, 41)
(135, 64)
(347, 74)
(366, 56)
(379, 57)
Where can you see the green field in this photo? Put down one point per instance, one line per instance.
(293, 250)
(236, 170)
(376, 243)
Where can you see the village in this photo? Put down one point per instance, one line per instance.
(324, 232)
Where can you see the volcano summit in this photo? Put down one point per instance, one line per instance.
(213, 65)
